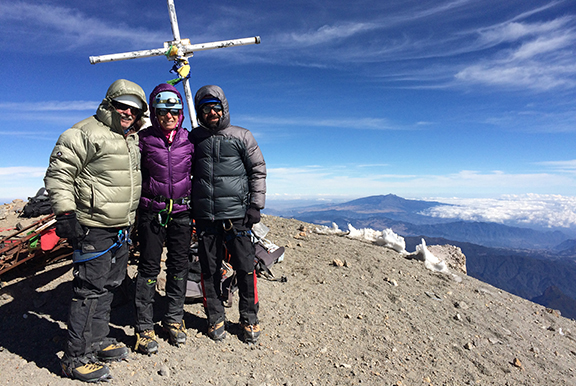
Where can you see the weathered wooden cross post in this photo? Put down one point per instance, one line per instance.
(177, 49)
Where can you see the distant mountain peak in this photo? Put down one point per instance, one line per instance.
(386, 204)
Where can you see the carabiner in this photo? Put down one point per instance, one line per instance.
(165, 212)
(231, 226)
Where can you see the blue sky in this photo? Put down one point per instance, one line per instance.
(423, 99)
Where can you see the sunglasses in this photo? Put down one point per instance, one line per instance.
(121, 106)
(207, 108)
(173, 112)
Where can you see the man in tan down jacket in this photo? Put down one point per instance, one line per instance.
(94, 185)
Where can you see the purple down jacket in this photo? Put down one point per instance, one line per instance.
(166, 168)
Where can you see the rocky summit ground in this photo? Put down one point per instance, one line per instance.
(378, 319)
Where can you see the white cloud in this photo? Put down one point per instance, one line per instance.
(529, 209)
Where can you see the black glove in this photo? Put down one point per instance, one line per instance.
(68, 227)
(252, 217)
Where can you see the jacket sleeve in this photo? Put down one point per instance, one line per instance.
(256, 171)
(67, 160)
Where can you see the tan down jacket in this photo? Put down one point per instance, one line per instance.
(94, 168)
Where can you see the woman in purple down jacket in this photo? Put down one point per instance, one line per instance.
(163, 217)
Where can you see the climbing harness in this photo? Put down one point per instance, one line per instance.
(165, 215)
(81, 257)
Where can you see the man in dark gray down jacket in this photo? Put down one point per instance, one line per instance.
(228, 192)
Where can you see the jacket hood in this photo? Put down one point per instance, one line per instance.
(157, 90)
(216, 92)
(108, 115)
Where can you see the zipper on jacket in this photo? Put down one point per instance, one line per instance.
(131, 179)
(92, 199)
(215, 158)
(170, 179)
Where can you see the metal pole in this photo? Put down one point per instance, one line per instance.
(220, 44)
(173, 20)
(190, 101)
(127, 55)
(185, 49)
(185, 82)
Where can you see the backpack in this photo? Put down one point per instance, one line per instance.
(267, 254)
(38, 205)
(194, 285)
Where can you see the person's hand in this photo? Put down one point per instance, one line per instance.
(252, 217)
(68, 227)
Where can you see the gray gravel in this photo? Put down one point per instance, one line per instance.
(378, 319)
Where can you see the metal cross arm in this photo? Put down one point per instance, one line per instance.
(184, 49)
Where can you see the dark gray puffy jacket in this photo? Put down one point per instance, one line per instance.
(229, 171)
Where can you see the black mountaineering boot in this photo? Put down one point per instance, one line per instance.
(86, 369)
(176, 333)
(146, 342)
(110, 350)
(217, 331)
(251, 332)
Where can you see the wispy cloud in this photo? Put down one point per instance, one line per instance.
(357, 124)
(516, 53)
(22, 171)
(327, 33)
(356, 180)
(64, 28)
(561, 166)
(536, 119)
(536, 56)
(537, 76)
(50, 106)
(514, 30)
(20, 181)
(54, 116)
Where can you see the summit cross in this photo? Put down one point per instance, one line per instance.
(177, 49)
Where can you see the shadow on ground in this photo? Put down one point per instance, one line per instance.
(34, 311)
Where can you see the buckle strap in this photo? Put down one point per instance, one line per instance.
(231, 233)
(163, 199)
